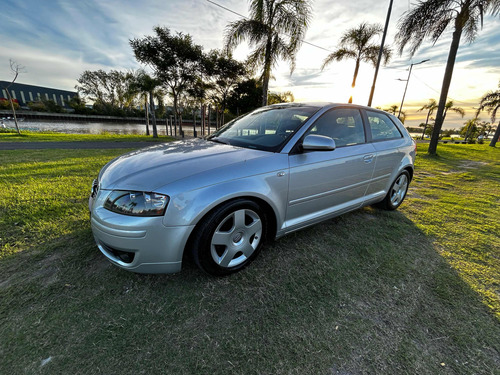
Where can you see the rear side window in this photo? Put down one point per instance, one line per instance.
(343, 125)
(381, 126)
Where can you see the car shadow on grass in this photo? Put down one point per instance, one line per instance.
(366, 292)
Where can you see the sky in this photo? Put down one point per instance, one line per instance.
(56, 40)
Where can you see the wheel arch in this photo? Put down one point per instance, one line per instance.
(410, 171)
(272, 221)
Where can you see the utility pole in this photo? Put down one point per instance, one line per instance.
(380, 53)
(408, 80)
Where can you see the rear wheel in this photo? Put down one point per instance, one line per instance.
(396, 193)
(229, 237)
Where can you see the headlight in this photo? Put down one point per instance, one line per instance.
(136, 203)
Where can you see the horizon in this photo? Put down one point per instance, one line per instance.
(90, 35)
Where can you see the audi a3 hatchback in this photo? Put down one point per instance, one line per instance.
(268, 173)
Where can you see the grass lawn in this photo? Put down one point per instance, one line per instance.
(415, 291)
(29, 136)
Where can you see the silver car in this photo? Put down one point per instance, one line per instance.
(268, 173)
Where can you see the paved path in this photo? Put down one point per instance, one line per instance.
(72, 145)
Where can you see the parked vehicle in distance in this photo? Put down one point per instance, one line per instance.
(268, 173)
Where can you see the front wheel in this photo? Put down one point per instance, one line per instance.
(229, 237)
(397, 192)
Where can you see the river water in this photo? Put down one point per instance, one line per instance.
(93, 127)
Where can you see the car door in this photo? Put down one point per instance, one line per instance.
(387, 141)
(327, 183)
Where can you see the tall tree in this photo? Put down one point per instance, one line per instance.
(108, 89)
(147, 86)
(470, 130)
(430, 107)
(275, 30)
(356, 44)
(429, 19)
(245, 97)
(175, 60)
(16, 69)
(491, 102)
(223, 73)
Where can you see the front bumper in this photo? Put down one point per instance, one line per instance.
(138, 244)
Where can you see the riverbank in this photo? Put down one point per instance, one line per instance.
(33, 115)
(30, 136)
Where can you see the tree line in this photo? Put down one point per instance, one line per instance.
(275, 31)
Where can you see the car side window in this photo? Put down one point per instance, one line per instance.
(381, 126)
(343, 125)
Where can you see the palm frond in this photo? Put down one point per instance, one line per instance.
(339, 55)
(458, 110)
(371, 54)
(257, 10)
(253, 31)
(491, 102)
(428, 18)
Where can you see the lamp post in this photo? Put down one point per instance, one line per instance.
(408, 80)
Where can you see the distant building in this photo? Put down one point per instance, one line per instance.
(28, 93)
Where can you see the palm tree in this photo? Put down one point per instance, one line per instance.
(275, 29)
(355, 44)
(429, 19)
(430, 107)
(148, 86)
(449, 107)
(395, 109)
(470, 129)
(491, 102)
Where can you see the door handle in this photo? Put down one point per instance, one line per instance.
(368, 158)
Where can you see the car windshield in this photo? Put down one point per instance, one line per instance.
(266, 128)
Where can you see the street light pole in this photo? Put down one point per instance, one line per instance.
(406, 87)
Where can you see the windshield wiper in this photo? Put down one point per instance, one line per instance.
(219, 141)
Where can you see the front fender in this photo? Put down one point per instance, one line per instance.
(188, 208)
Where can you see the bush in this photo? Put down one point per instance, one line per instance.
(45, 106)
(5, 104)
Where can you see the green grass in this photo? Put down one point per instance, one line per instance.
(408, 292)
(30, 136)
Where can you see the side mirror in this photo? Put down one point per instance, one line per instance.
(318, 143)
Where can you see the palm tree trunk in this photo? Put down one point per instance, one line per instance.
(146, 109)
(176, 118)
(495, 137)
(356, 70)
(426, 123)
(469, 127)
(455, 43)
(267, 71)
(153, 115)
(209, 115)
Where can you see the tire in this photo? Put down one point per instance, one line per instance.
(397, 192)
(230, 237)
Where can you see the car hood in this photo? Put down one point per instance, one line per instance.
(153, 167)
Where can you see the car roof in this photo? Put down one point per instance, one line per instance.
(324, 105)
